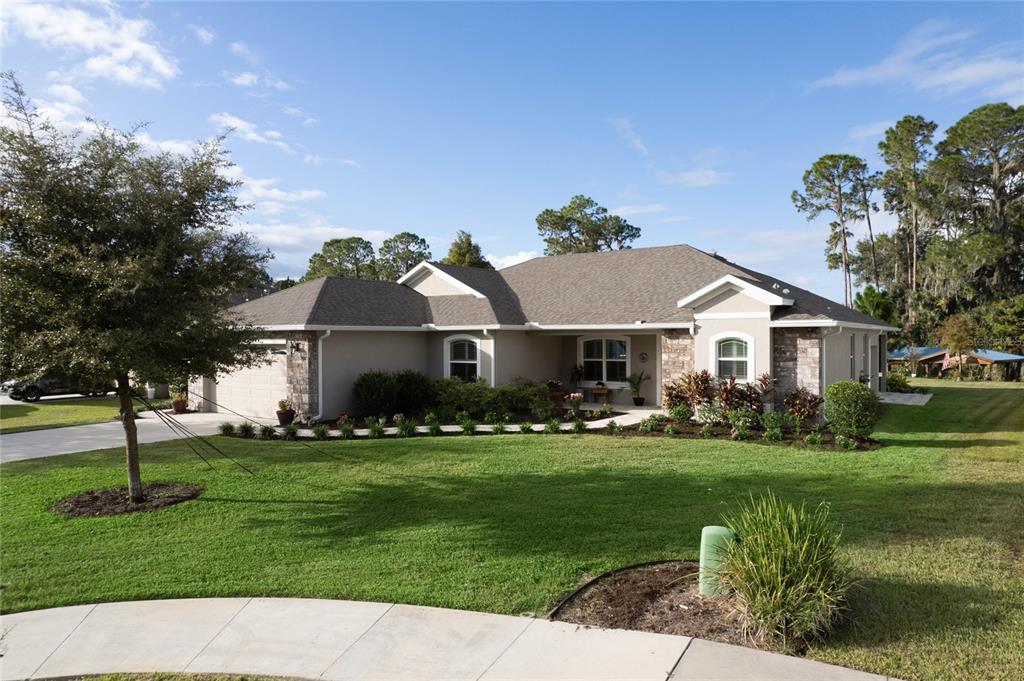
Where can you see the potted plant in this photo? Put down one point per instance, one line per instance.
(285, 413)
(575, 399)
(179, 402)
(636, 380)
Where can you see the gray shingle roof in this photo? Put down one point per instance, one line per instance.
(614, 287)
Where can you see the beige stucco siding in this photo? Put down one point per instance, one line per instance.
(519, 354)
(708, 331)
(433, 285)
(436, 352)
(347, 354)
(843, 344)
(732, 302)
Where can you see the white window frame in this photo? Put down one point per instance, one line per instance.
(604, 366)
(448, 354)
(751, 354)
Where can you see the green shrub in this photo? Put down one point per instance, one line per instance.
(742, 419)
(375, 393)
(347, 430)
(227, 428)
(813, 439)
(579, 426)
(774, 420)
(847, 443)
(376, 428)
(404, 426)
(498, 427)
(321, 431)
(772, 435)
(247, 430)
(526, 427)
(291, 432)
(473, 397)
(414, 393)
(681, 412)
(897, 383)
(468, 425)
(267, 433)
(709, 413)
(605, 410)
(693, 388)
(803, 406)
(613, 428)
(789, 580)
(648, 425)
(851, 409)
(671, 430)
(434, 429)
(553, 427)
(708, 430)
(523, 396)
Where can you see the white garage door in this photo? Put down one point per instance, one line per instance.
(255, 392)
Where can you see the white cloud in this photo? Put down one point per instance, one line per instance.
(242, 50)
(934, 57)
(203, 34)
(624, 127)
(169, 145)
(256, 189)
(306, 235)
(250, 79)
(502, 261)
(249, 131)
(114, 47)
(317, 160)
(870, 130)
(695, 177)
(245, 79)
(300, 114)
(67, 93)
(639, 209)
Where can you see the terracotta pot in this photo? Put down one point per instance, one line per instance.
(285, 416)
(179, 406)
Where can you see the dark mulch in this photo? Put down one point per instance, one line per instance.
(694, 430)
(115, 501)
(661, 598)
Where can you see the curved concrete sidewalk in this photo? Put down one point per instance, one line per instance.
(353, 640)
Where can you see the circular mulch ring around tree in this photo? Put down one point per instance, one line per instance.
(658, 597)
(115, 501)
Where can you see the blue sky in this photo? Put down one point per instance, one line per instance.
(695, 121)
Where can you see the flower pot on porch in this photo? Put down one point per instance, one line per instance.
(285, 416)
(179, 406)
(639, 401)
(558, 397)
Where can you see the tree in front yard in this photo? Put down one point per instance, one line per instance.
(117, 261)
(958, 335)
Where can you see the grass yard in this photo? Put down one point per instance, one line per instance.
(511, 524)
(73, 411)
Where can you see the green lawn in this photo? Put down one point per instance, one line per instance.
(73, 411)
(511, 524)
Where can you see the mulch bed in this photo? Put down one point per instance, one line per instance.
(694, 430)
(115, 501)
(656, 597)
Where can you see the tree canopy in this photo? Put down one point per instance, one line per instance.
(582, 226)
(399, 254)
(116, 261)
(465, 252)
(352, 258)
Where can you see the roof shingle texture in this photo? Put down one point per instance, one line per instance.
(614, 287)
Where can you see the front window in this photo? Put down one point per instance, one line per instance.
(463, 360)
(604, 359)
(732, 359)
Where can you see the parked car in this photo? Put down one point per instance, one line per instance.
(31, 391)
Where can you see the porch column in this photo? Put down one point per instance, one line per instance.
(303, 373)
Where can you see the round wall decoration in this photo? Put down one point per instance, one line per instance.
(643, 358)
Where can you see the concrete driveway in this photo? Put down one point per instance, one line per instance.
(35, 444)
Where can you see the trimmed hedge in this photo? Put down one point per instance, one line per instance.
(851, 409)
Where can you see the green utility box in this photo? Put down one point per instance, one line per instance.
(714, 541)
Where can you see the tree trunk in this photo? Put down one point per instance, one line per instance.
(871, 236)
(131, 448)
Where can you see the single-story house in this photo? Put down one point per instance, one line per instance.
(663, 310)
(929, 356)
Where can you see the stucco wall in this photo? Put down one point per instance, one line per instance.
(837, 351)
(350, 353)
(757, 329)
(433, 285)
(435, 351)
(731, 302)
(519, 354)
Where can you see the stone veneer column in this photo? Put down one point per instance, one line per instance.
(796, 359)
(303, 373)
(676, 354)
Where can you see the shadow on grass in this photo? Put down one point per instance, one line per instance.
(13, 411)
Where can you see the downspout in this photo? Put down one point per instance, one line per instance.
(320, 374)
(494, 342)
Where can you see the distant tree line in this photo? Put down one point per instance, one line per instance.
(958, 248)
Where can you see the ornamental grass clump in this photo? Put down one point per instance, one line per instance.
(525, 427)
(785, 571)
(553, 427)
(267, 433)
(291, 432)
(579, 426)
(404, 426)
(247, 430)
(227, 428)
(375, 428)
(321, 431)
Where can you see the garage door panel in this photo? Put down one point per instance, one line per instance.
(254, 391)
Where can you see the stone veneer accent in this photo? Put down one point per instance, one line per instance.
(303, 373)
(676, 354)
(796, 359)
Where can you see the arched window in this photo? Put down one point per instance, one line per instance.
(462, 358)
(605, 359)
(732, 358)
